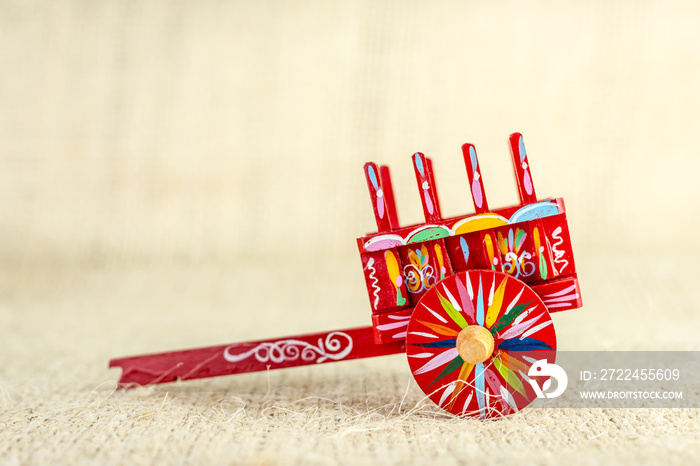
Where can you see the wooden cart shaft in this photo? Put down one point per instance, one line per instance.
(261, 355)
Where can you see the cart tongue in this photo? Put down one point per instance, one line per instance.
(237, 358)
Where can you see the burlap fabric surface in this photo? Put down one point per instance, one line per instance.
(180, 174)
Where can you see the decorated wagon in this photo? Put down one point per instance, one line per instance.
(467, 298)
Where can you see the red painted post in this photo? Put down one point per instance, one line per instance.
(475, 180)
(385, 181)
(431, 173)
(426, 188)
(380, 206)
(522, 169)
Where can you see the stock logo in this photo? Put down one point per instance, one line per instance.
(542, 368)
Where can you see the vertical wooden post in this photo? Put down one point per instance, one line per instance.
(385, 181)
(475, 180)
(522, 169)
(431, 173)
(380, 204)
(426, 188)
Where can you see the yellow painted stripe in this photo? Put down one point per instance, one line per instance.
(495, 307)
(461, 381)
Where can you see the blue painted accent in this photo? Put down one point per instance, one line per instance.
(480, 387)
(511, 239)
(419, 164)
(373, 177)
(534, 211)
(521, 149)
(437, 344)
(472, 155)
(523, 344)
(465, 249)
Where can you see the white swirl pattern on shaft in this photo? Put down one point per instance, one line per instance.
(336, 346)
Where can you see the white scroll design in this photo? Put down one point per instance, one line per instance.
(558, 254)
(373, 276)
(336, 346)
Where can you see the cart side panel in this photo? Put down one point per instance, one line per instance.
(536, 250)
(558, 242)
(561, 294)
(466, 252)
(542, 251)
(424, 264)
(391, 326)
(385, 284)
(516, 246)
(476, 250)
(492, 254)
(532, 251)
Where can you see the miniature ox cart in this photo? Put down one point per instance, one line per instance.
(467, 298)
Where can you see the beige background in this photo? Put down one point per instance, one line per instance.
(176, 174)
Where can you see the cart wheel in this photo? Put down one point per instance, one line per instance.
(472, 339)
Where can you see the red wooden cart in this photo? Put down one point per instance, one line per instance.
(467, 298)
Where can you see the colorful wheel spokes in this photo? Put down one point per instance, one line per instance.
(499, 304)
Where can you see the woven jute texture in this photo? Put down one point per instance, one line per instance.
(183, 174)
